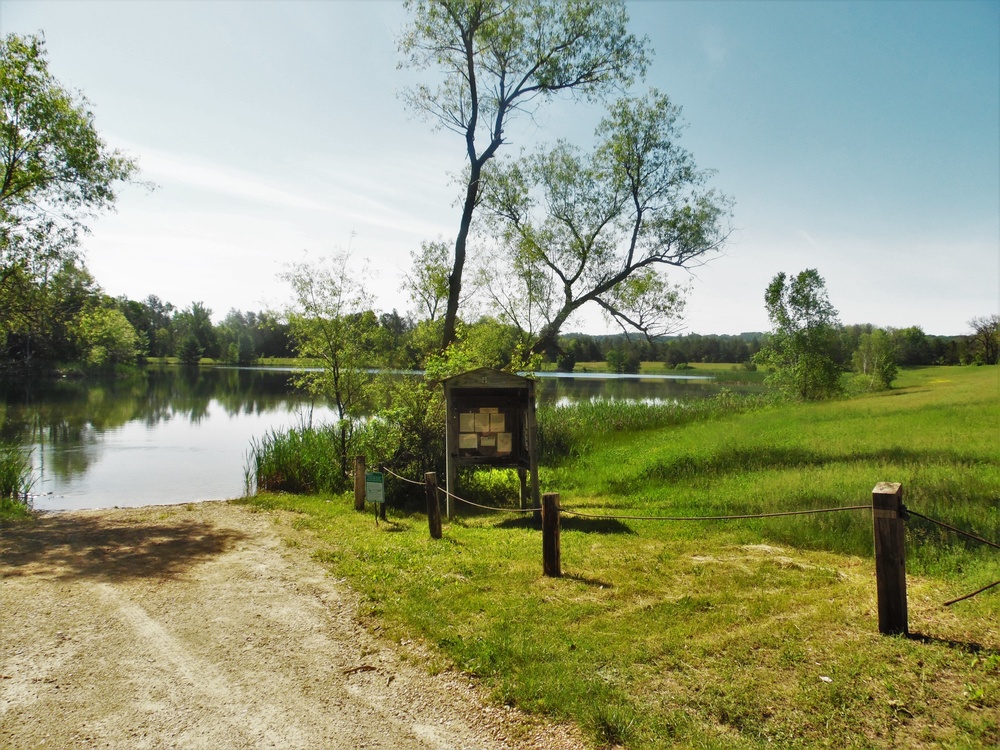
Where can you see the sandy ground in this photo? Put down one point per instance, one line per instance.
(199, 627)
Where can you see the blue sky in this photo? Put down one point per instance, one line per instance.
(858, 138)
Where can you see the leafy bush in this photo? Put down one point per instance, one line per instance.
(15, 481)
(295, 460)
(407, 437)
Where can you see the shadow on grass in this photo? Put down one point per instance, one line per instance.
(569, 523)
(593, 582)
(593, 525)
(765, 458)
(969, 647)
(65, 546)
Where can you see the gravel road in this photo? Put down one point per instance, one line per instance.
(198, 626)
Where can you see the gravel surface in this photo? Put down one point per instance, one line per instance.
(198, 626)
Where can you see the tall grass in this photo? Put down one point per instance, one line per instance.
(572, 430)
(15, 482)
(300, 460)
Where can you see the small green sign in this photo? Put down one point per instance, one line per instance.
(374, 487)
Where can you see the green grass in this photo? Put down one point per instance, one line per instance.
(720, 371)
(578, 428)
(15, 482)
(301, 459)
(720, 634)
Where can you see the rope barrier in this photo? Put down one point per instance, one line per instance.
(569, 511)
(389, 471)
(969, 596)
(487, 507)
(740, 517)
(952, 528)
(714, 518)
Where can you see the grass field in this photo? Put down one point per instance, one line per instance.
(721, 634)
(722, 372)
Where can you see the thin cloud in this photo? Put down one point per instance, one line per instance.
(713, 43)
(165, 167)
(808, 238)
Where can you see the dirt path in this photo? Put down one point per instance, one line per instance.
(198, 627)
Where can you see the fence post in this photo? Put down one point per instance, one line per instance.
(551, 563)
(433, 507)
(359, 483)
(890, 557)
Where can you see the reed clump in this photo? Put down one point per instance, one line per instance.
(574, 429)
(297, 460)
(15, 482)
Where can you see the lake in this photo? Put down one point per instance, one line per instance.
(176, 435)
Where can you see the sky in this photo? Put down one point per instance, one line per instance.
(861, 139)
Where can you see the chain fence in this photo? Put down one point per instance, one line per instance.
(906, 513)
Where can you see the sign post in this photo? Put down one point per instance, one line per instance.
(375, 491)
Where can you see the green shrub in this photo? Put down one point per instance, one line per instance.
(298, 460)
(15, 481)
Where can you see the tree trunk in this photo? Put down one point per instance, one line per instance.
(455, 279)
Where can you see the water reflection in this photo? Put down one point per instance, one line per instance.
(566, 389)
(176, 434)
(163, 435)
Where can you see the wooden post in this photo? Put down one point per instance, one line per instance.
(551, 563)
(433, 507)
(532, 428)
(450, 469)
(890, 557)
(359, 483)
(522, 475)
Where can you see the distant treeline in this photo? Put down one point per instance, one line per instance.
(913, 347)
(82, 325)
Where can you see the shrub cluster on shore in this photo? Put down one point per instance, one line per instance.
(297, 459)
(15, 482)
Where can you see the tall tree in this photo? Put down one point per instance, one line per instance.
(985, 339)
(57, 171)
(236, 338)
(601, 228)
(874, 360)
(196, 322)
(427, 282)
(107, 338)
(499, 58)
(799, 351)
(332, 323)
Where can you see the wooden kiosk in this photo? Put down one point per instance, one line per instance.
(491, 422)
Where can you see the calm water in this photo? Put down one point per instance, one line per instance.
(174, 435)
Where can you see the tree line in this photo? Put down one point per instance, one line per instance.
(542, 233)
(75, 322)
(911, 345)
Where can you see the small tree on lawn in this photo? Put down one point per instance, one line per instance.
(332, 323)
(799, 351)
(874, 360)
(985, 339)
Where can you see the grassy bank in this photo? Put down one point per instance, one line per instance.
(15, 482)
(720, 371)
(722, 634)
